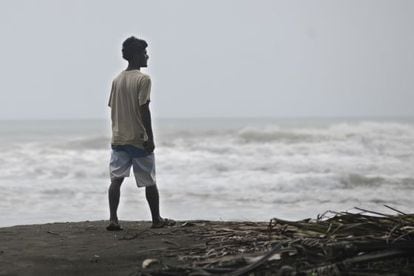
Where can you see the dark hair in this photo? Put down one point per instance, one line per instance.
(133, 46)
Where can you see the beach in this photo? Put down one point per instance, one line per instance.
(335, 243)
(278, 135)
(84, 248)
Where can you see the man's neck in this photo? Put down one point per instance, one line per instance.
(132, 66)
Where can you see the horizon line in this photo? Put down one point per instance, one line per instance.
(224, 118)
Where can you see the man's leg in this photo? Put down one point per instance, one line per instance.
(144, 171)
(151, 193)
(114, 193)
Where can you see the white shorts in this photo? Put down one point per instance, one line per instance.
(143, 167)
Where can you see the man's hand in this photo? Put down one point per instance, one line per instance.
(149, 146)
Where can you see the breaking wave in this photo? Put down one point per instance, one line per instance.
(250, 167)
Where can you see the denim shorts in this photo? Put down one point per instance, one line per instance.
(142, 162)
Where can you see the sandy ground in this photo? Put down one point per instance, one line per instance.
(86, 248)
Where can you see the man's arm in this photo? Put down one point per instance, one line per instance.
(146, 120)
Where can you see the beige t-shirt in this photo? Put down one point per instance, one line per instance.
(130, 89)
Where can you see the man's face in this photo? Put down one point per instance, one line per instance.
(143, 58)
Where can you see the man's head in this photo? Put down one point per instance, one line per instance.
(134, 51)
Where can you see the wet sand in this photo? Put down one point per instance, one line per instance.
(86, 248)
(346, 242)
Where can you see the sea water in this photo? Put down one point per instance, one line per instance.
(214, 169)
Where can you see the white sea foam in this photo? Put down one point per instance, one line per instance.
(210, 169)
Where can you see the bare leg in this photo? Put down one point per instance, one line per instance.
(151, 193)
(114, 193)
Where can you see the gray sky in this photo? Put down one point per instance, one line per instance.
(210, 58)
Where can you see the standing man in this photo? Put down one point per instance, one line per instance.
(132, 139)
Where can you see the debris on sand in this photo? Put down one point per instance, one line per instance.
(336, 243)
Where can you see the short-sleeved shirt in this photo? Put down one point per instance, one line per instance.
(130, 90)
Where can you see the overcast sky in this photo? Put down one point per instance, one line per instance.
(210, 58)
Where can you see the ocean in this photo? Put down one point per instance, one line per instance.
(213, 169)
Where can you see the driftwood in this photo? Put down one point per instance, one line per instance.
(336, 243)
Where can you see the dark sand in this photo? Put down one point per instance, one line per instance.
(350, 243)
(87, 248)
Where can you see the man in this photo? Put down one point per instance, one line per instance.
(132, 138)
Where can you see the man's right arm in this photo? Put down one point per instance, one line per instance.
(144, 100)
(146, 121)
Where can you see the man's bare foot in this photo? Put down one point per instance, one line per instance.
(163, 222)
(114, 226)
